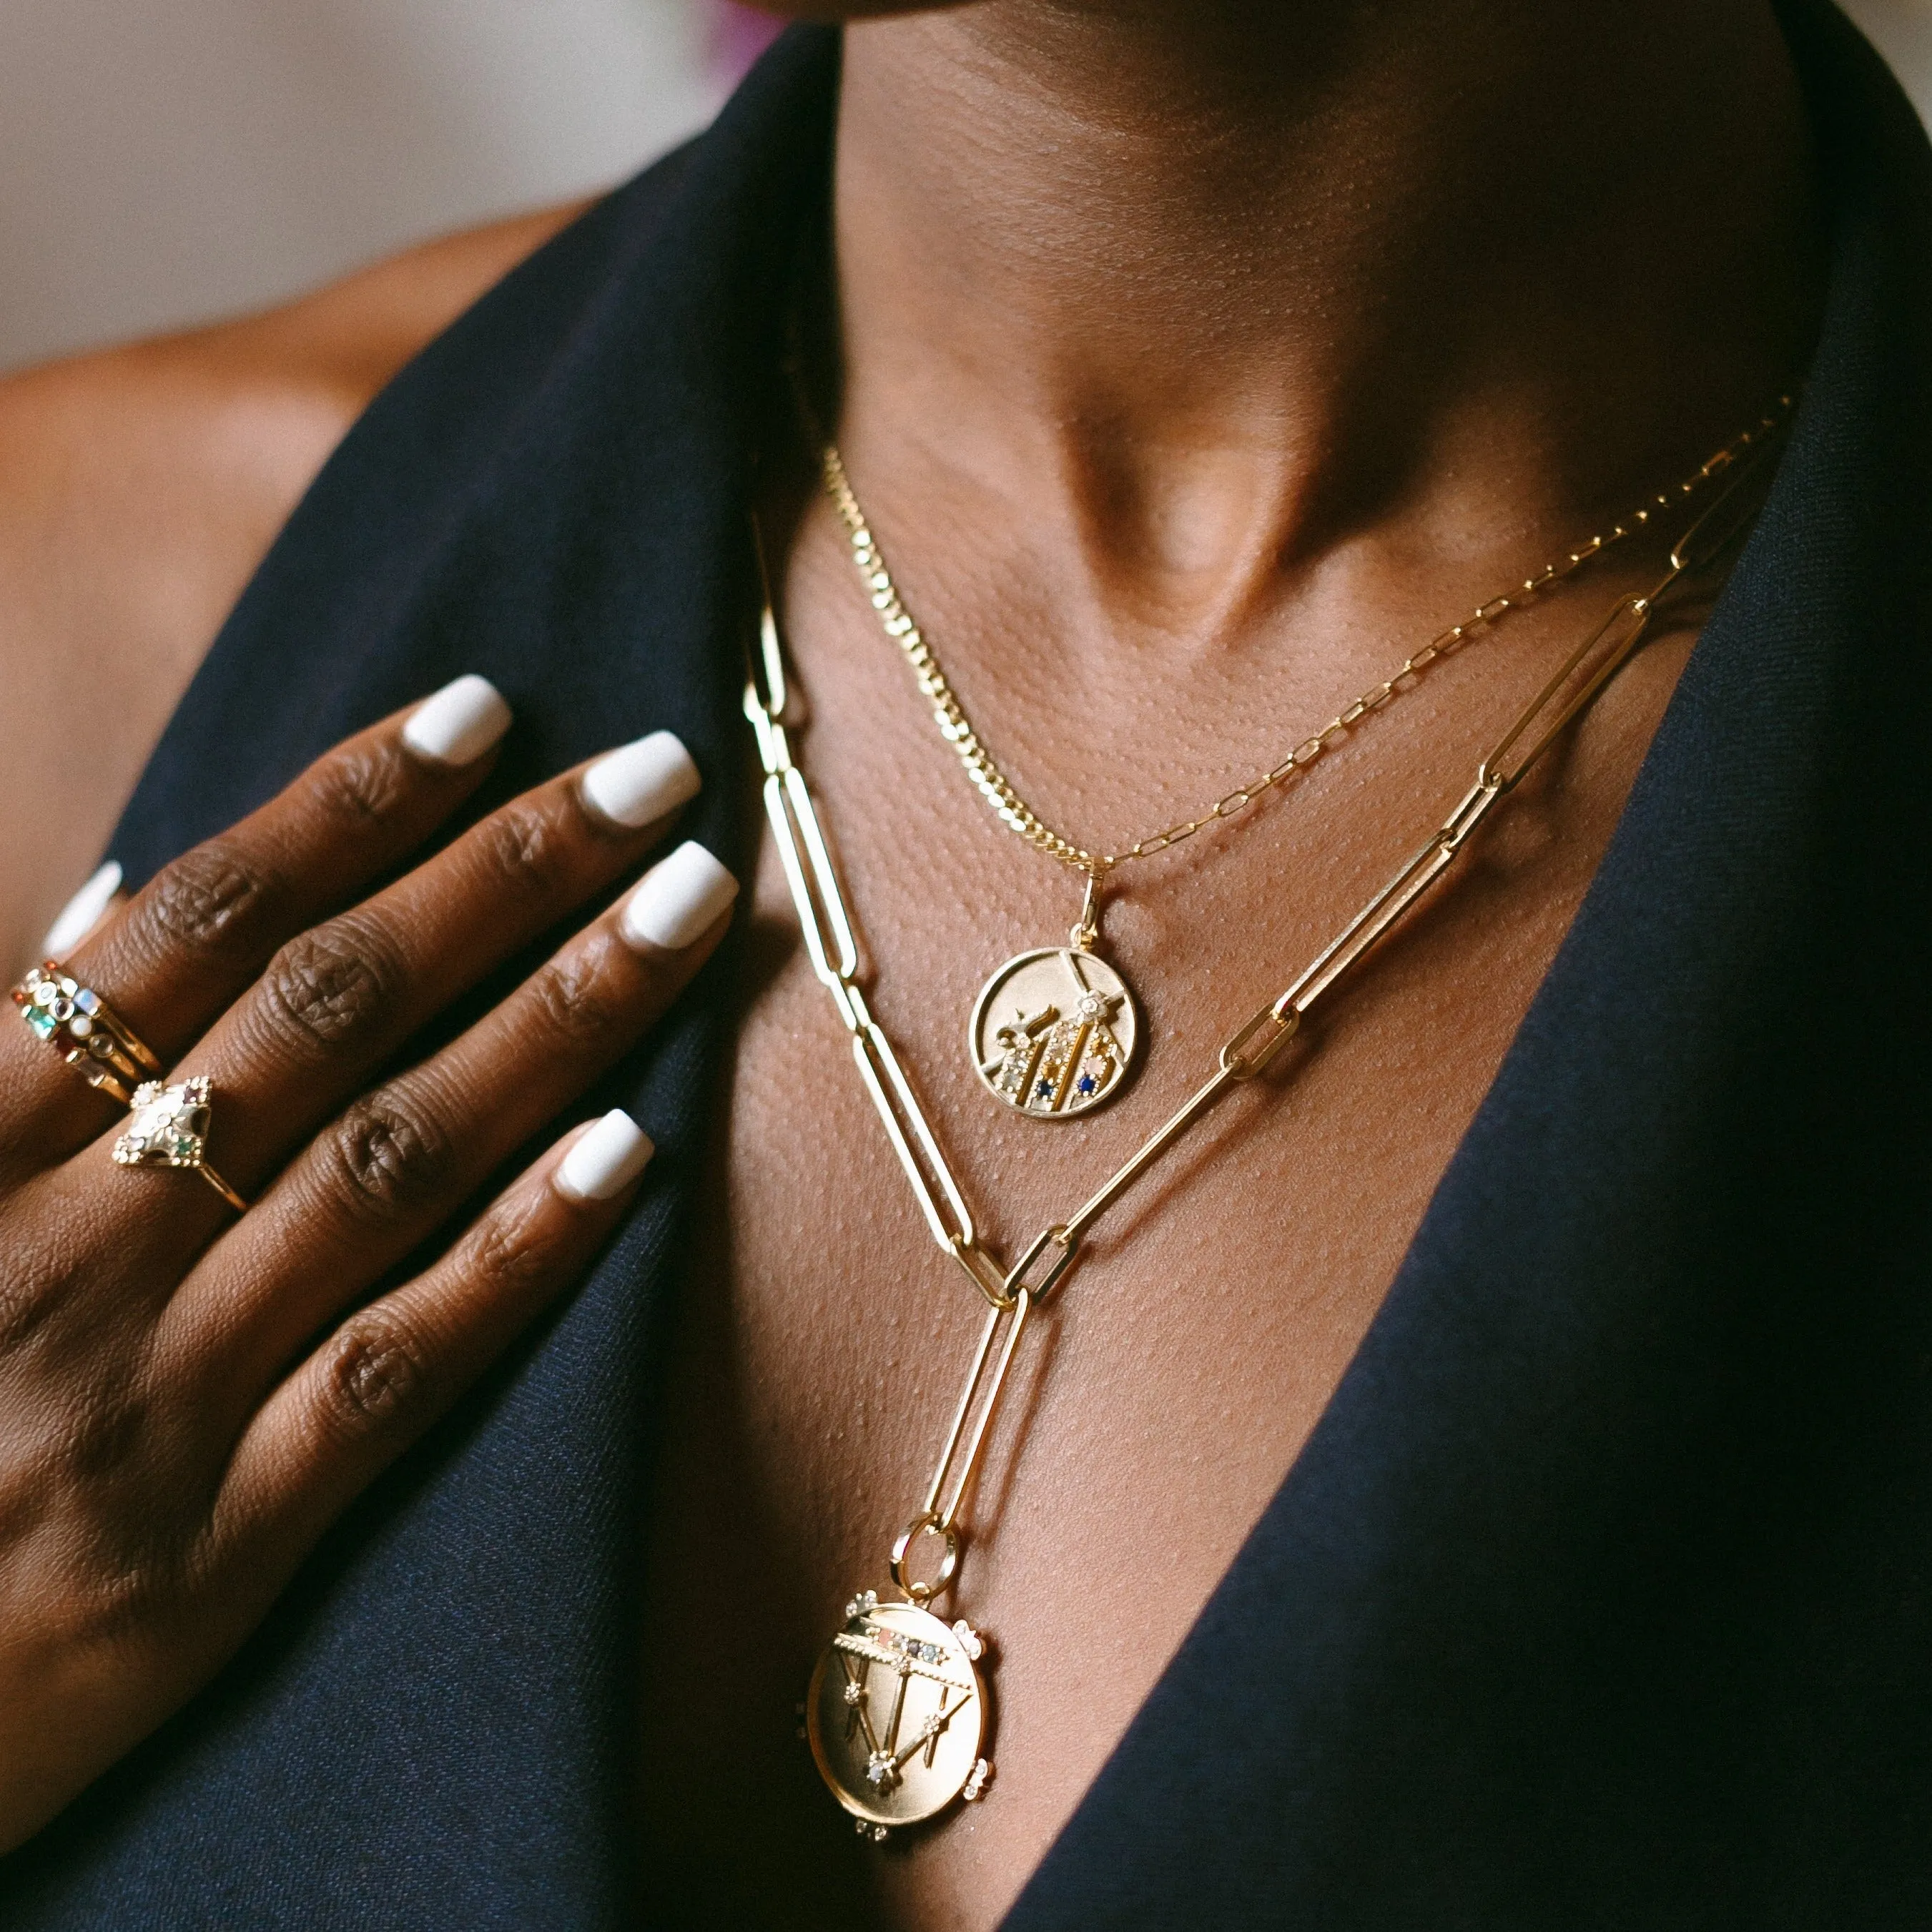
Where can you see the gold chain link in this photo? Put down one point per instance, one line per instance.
(1013, 810)
(828, 931)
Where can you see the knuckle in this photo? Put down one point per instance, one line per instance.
(106, 1428)
(362, 785)
(326, 984)
(212, 900)
(524, 847)
(515, 1246)
(374, 1372)
(388, 1155)
(580, 995)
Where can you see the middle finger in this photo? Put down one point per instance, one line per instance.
(381, 1179)
(338, 1001)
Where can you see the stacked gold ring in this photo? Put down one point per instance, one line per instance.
(81, 1026)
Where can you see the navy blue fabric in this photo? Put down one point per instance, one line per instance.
(431, 1731)
(1603, 1594)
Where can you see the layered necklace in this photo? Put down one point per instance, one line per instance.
(897, 1711)
(1056, 1031)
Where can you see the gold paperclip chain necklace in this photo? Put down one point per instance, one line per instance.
(898, 1706)
(1056, 1031)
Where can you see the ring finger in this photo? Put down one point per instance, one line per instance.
(338, 1001)
(383, 1177)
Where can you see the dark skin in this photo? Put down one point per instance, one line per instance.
(175, 1438)
(1197, 360)
(186, 1399)
(141, 486)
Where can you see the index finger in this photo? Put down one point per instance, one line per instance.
(177, 954)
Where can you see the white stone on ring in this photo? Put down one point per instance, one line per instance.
(169, 1125)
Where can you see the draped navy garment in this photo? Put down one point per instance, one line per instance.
(1602, 1594)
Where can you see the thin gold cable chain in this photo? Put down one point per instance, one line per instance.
(1012, 1292)
(827, 928)
(998, 789)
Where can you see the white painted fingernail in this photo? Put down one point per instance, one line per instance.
(459, 723)
(679, 899)
(641, 782)
(82, 914)
(604, 1161)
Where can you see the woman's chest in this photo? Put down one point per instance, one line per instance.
(1160, 1397)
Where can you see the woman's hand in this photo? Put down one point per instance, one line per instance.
(173, 1436)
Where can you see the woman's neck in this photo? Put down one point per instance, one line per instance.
(1206, 289)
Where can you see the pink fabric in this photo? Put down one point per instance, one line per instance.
(739, 34)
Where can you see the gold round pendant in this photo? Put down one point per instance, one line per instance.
(896, 1715)
(1054, 1032)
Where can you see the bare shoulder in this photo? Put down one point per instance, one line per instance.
(140, 487)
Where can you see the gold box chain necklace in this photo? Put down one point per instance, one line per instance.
(1056, 1031)
(897, 1705)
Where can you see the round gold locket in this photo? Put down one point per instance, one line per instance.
(896, 1715)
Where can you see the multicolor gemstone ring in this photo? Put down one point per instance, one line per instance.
(170, 1129)
(85, 1031)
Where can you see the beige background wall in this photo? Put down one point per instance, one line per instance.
(165, 161)
(1902, 30)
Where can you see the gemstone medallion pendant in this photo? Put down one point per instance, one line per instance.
(1054, 1032)
(896, 1715)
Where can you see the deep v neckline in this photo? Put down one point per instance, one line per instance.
(1406, 1415)
(1596, 1597)
(1475, 1418)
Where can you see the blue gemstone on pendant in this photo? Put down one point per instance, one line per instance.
(1044, 1091)
(1085, 1084)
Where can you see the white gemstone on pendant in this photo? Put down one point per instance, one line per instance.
(1055, 1032)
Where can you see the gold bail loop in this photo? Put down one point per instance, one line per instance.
(921, 1591)
(1087, 931)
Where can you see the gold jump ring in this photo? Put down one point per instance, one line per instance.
(923, 1594)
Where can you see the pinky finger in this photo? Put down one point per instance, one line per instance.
(393, 1368)
(78, 918)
